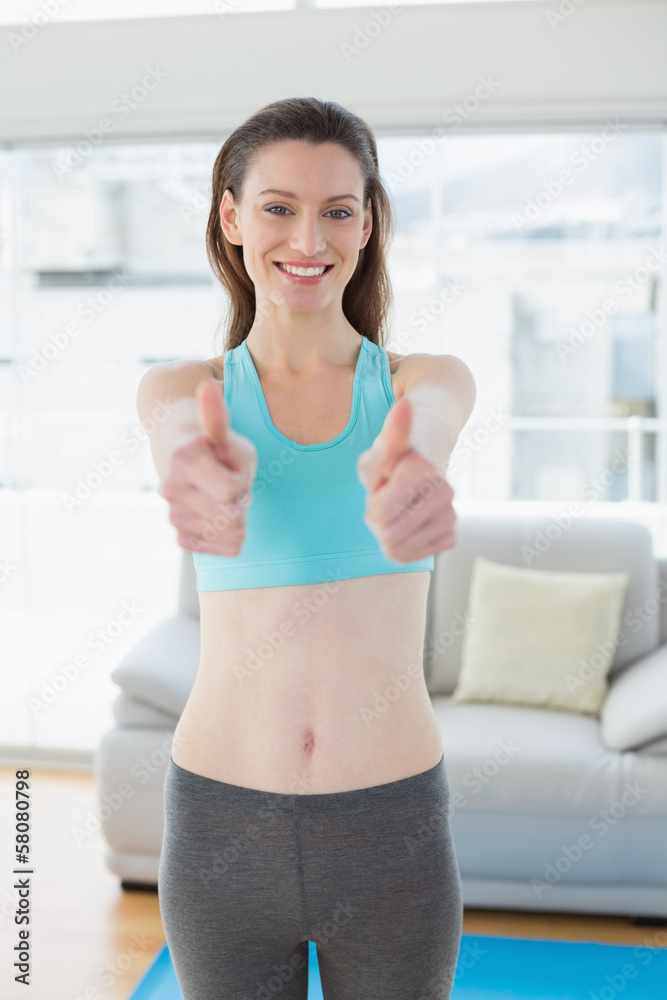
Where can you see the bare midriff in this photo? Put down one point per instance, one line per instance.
(317, 687)
(312, 688)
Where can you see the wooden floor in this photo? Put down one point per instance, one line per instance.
(93, 941)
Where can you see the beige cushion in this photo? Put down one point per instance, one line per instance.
(540, 637)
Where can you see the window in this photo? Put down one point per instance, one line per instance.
(538, 259)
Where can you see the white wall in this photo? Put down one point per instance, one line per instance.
(605, 58)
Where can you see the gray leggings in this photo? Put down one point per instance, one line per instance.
(248, 877)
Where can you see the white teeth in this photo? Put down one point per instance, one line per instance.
(304, 272)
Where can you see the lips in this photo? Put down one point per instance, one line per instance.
(289, 263)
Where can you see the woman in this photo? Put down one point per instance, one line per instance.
(300, 802)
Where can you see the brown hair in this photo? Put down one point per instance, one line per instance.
(367, 298)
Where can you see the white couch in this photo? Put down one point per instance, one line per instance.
(550, 810)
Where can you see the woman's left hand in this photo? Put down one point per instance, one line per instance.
(409, 504)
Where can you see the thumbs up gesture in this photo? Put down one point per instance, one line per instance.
(409, 503)
(234, 451)
(208, 479)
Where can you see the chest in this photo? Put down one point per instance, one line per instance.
(313, 412)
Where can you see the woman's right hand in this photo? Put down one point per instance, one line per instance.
(208, 480)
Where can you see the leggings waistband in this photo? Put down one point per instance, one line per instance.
(392, 793)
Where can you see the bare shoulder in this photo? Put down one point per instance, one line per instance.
(394, 359)
(394, 367)
(446, 368)
(395, 362)
(170, 381)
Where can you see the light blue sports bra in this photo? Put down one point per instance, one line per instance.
(305, 522)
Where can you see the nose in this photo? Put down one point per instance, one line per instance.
(306, 237)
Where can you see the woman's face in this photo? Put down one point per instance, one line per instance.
(303, 206)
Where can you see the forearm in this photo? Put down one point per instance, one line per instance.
(166, 439)
(437, 421)
(168, 420)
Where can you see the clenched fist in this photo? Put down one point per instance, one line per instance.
(208, 480)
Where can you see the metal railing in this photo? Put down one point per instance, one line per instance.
(634, 426)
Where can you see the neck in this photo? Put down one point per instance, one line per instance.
(303, 343)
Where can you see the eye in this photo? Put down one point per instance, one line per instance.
(280, 210)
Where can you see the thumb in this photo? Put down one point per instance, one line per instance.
(394, 438)
(213, 418)
(375, 464)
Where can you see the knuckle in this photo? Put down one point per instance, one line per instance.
(182, 456)
(174, 485)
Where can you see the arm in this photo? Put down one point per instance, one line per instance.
(442, 393)
(205, 467)
(167, 407)
(409, 504)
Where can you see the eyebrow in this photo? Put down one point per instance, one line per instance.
(290, 194)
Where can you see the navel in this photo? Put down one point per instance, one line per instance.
(309, 740)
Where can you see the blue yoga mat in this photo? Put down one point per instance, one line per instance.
(502, 968)
(159, 981)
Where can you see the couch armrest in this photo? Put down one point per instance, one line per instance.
(634, 711)
(162, 667)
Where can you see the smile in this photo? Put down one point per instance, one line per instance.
(303, 272)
